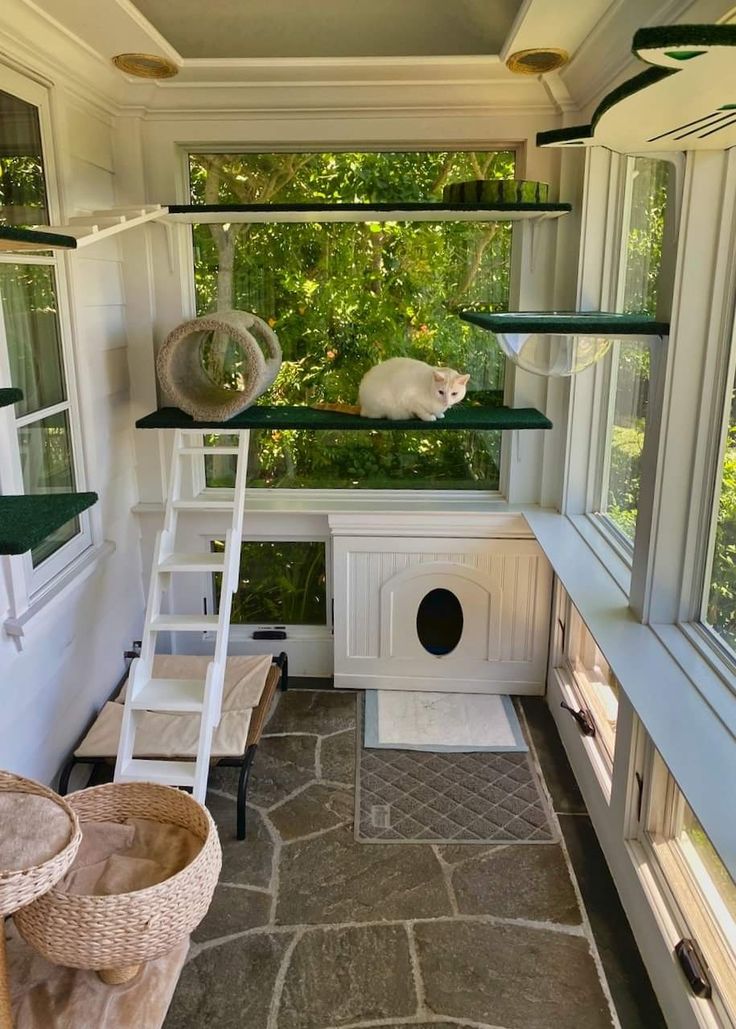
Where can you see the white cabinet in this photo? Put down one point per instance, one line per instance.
(391, 631)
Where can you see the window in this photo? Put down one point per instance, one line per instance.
(648, 186)
(703, 892)
(43, 453)
(342, 297)
(588, 682)
(281, 583)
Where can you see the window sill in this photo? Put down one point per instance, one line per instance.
(711, 675)
(337, 501)
(56, 590)
(666, 693)
(593, 531)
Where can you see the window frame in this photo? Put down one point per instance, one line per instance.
(601, 760)
(244, 630)
(27, 584)
(614, 535)
(691, 907)
(592, 394)
(521, 252)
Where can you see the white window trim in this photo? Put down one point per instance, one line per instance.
(608, 184)
(28, 585)
(675, 881)
(512, 489)
(669, 693)
(244, 630)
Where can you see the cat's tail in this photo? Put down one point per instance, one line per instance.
(341, 408)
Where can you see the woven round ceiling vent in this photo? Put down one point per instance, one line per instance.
(146, 66)
(537, 61)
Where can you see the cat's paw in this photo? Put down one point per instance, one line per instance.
(428, 417)
(441, 414)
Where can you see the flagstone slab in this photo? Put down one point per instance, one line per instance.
(519, 881)
(510, 976)
(333, 878)
(247, 861)
(344, 975)
(281, 764)
(315, 809)
(315, 711)
(337, 757)
(232, 911)
(229, 986)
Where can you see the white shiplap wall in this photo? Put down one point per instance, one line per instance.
(72, 652)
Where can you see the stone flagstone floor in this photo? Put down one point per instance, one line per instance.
(310, 929)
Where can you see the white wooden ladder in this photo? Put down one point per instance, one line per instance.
(185, 696)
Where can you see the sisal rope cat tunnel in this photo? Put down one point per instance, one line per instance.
(184, 378)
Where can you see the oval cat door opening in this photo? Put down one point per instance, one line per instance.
(439, 622)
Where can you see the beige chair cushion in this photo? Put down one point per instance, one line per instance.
(166, 736)
(245, 677)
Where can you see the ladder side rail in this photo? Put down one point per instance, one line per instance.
(206, 729)
(126, 741)
(153, 609)
(241, 476)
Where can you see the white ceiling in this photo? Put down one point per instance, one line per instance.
(331, 28)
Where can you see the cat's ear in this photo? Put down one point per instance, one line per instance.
(440, 376)
(462, 380)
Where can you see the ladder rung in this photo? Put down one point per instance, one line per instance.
(197, 504)
(184, 623)
(202, 562)
(168, 773)
(209, 450)
(172, 695)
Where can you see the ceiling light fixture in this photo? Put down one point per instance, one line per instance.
(146, 66)
(537, 60)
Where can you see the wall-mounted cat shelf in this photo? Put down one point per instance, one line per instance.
(264, 417)
(10, 396)
(560, 343)
(26, 521)
(81, 231)
(409, 212)
(16, 240)
(685, 101)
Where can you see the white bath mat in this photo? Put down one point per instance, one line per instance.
(441, 722)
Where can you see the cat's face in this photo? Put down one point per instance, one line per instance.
(449, 386)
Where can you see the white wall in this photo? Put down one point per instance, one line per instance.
(73, 647)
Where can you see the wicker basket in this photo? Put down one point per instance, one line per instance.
(119, 931)
(19, 887)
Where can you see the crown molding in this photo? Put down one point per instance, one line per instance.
(41, 49)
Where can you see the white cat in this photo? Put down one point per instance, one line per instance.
(404, 388)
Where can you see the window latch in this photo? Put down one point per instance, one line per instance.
(693, 965)
(583, 719)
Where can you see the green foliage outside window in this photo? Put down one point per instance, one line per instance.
(342, 297)
(721, 611)
(281, 583)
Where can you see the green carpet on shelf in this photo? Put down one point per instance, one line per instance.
(25, 521)
(10, 396)
(263, 417)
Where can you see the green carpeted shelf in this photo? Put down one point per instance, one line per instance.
(10, 396)
(15, 239)
(569, 323)
(263, 417)
(26, 521)
(376, 212)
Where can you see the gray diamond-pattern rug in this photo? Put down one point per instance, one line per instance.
(410, 796)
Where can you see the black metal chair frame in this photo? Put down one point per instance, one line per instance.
(244, 762)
